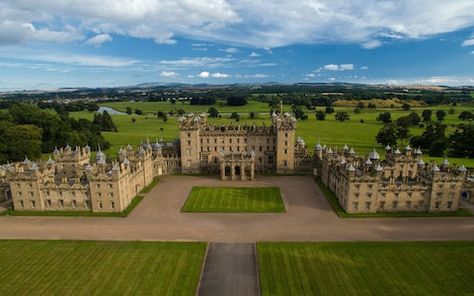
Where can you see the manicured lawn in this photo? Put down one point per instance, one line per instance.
(135, 201)
(99, 268)
(366, 268)
(332, 199)
(235, 200)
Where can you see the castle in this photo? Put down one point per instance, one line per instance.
(70, 181)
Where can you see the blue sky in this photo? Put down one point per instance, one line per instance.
(101, 43)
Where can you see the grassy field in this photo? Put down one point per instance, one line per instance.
(332, 200)
(359, 135)
(99, 268)
(366, 268)
(234, 200)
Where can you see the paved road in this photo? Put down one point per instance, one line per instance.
(308, 218)
(230, 270)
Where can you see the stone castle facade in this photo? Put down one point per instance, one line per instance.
(70, 181)
(401, 182)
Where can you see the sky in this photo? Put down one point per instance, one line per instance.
(106, 43)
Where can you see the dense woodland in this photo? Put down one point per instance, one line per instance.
(27, 130)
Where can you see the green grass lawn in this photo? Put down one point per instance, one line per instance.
(359, 135)
(366, 268)
(99, 268)
(332, 200)
(234, 200)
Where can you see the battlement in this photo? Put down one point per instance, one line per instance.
(192, 121)
(67, 155)
(284, 121)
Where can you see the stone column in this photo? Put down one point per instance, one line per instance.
(242, 171)
(232, 171)
(252, 171)
(222, 170)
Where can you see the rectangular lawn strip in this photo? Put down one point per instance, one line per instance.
(234, 200)
(366, 268)
(99, 268)
(332, 200)
(135, 201)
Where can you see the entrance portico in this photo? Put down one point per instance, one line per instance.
(235, 166)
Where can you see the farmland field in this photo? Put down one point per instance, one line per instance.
(360, 135)
(99, 268)
(234, 200)
(366, 268)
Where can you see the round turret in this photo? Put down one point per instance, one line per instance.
(374, 155)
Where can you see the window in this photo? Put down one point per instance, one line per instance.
(395, 204)
(261, 148)
(437, 204)
(86, 204)
(286, 151)
(189, 135)
(230, 140)
(112, 205)
(286, 135)
(382, 205)
(74, 203)
(189, 163)
(48, 203)
(189, 143)
(286, 143)
(285, 163)
(30, 194)
(111, 194)
(21, 204)
(188, 151)
(408, 203)
(450, 204)
(61, 203)
(33, 204)
(355, 205)
(110, 186)
(367, 205)
(99, 205)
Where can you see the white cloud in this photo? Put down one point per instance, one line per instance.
(468, 42)
(262, 24)
(248, 76)
(98, 40)
(331, 79)
(204, 74)
(197, 62)
(230, 50)
(364, 68)
(472, 52)
(334, 67)
(168, 74)
(220, 75)
(346, 67)
(254, 54)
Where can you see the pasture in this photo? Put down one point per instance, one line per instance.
(357, 134)
(234, 200)
(366, 268)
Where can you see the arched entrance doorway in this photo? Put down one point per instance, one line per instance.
(237, 171)
(227, 171)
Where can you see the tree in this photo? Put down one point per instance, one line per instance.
(253, 115)
(357, 110)
(134, 120)
(128, 110)
(235, 116)
(371, 105)
(19, 141)
(360, 105)
(387, 135)
(104, 122)
(342, 116)
(438, 147)
(414, 118)
(451, 111)
(138, 112)
(466, 115)
(406, 107)
(164, 117)
(236, 100)
(462, 141)
(298, 112)
(385, 117)
(432, 133)
(329, 109)
(160, 114)
(92, 107)
(440, 115)
(426, 115)
(213, 112)
(180, 112)
(320, 115)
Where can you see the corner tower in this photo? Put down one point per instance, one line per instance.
(285, 126)
(189, 135)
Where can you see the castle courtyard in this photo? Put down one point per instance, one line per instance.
(308, 217)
